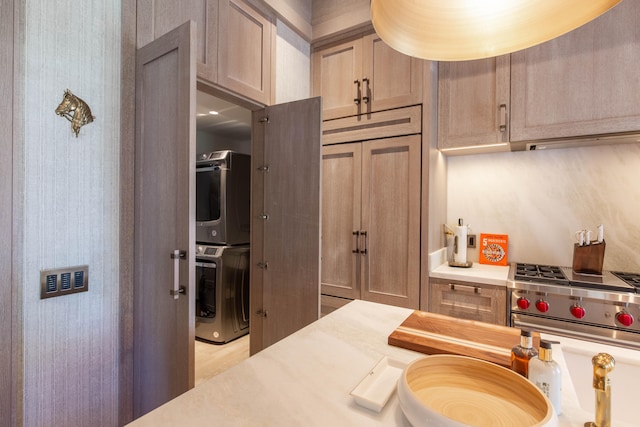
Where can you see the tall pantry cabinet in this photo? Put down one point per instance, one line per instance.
(371, 220)
(371, 172)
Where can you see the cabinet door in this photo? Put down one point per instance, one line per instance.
(391, 220)
(157, 17)
(469, 301)
(285, 227)
(164, 206)
(337, 74)
(473, 102)
(245, 50)
(582, 83)
(341, 189)
(390, 78)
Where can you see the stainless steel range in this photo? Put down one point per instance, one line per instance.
(602, 308)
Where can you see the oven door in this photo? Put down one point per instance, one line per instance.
(577, 330)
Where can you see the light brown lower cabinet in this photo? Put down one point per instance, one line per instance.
(466, 300)
(371, 220)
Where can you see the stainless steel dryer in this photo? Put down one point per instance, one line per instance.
(222, 292)
(223, 189)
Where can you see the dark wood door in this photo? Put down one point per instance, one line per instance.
(164, 321)
(285, 231)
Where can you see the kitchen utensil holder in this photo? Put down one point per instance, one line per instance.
(588, 259)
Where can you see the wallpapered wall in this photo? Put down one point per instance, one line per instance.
(69, 195)
(70, 200)
(541, 198)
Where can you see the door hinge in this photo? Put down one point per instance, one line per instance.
(262, 313)
(264, 265)
(264, 120)
(264, 168)
(264, 216)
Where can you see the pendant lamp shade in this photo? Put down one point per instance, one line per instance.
(458, 30)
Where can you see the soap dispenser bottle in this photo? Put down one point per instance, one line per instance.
(545, 373)
(522, 353)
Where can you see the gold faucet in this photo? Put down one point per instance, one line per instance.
(603, 363)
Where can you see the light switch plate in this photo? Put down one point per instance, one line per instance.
(63, 281)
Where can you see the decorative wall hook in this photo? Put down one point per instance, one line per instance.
(75, 110)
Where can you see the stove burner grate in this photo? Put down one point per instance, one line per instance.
(632, 279)
(547, 273)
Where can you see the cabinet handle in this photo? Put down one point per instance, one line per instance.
(364, 236)
(176, 256)
(358, 95)
(464, 288)
(365, 98)
(503, 117)
(357, 249)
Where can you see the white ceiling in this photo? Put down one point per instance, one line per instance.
(231, 121)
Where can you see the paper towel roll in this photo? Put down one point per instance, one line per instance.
(460, 244)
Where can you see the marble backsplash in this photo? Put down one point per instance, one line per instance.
(540, 199)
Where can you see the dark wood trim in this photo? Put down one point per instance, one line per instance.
(8, 314)
(127, 159)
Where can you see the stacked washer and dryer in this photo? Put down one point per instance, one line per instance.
(223, 186)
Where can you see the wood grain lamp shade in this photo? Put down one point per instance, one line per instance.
(460, 30)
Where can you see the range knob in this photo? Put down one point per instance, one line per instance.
(523, 303)
(542, 306)
(624, 318)
(577, 311)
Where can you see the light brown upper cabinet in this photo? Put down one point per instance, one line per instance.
(363, 75)
(246, 45)
(583, 83)
(371, 220)
(235, 41)
(473, 102)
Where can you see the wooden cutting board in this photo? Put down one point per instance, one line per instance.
(431, 333)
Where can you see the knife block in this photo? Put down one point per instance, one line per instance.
(588, 259)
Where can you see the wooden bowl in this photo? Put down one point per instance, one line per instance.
(454, 391)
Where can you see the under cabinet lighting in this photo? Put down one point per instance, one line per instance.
(487, 147)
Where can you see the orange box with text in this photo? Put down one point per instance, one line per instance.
(494, 249)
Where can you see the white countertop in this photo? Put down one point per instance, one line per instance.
(306, 378)
(477, 273)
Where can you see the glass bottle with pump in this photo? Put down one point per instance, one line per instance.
(522, 353)
(545, 373)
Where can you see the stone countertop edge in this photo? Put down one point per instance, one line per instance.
(477, 273)
(306, 378)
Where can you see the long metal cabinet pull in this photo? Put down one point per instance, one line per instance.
(357, 249)
(356, 100)
(364, 235)
(503, 117)
(365, 98)
(177, 255)
(465, 288)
